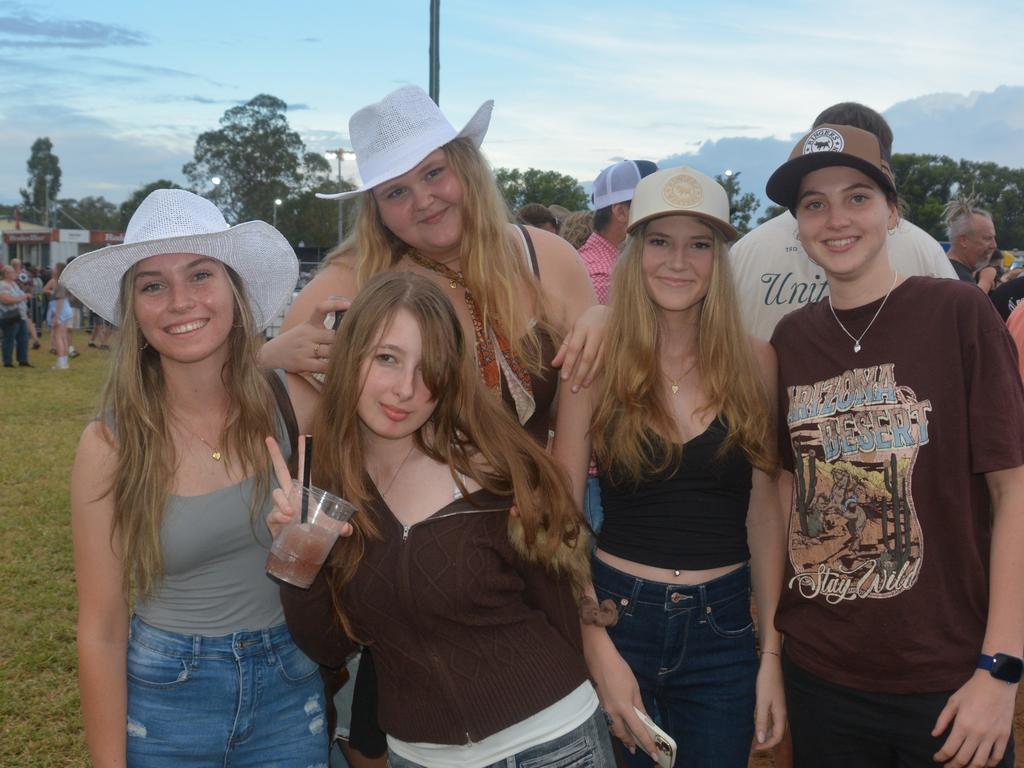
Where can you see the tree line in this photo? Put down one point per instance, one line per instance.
(255, 159)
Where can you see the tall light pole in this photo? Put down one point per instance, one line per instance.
(277, 202)
(46, 201)
(435, 51)
(339, 155)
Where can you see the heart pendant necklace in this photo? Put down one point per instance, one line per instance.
(856, 339)
(215, 453)
(675, 383)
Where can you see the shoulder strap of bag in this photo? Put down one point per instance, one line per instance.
(284, 407)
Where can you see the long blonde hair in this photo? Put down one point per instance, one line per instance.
(634, 432)
(469, 430)
(492, 260)
(134, 405)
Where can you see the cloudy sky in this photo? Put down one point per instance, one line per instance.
(123, 88)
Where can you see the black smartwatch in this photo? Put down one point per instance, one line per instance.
(1002, 667)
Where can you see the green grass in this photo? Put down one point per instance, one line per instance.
(42, 413)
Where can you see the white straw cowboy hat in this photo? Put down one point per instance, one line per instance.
(176, 221)
(393, 136)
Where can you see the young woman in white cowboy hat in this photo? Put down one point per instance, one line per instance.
(184, 657)
(468, 604)
(680, 420)
(901, 607)
(429, 204)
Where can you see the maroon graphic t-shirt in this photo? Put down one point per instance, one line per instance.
(888, 542)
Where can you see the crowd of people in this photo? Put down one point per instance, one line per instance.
(32, 300)
(581, 447)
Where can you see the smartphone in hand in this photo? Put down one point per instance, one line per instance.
(666, 744)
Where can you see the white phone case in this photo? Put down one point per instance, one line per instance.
(665, 743)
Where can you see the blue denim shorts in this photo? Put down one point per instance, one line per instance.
(586, 746)
(692, 649)
(246, 699)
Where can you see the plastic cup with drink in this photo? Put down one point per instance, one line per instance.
(301, 546)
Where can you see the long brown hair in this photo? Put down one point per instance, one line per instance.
(634, 432)
(134, 405)
(493, 263)
(470, 430)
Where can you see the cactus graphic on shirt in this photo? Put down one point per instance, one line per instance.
(810, 519)
(854, 531)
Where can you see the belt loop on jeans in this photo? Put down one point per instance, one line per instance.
(197, 647)
(268, 646)
(634, 597)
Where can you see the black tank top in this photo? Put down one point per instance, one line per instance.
(692, 516)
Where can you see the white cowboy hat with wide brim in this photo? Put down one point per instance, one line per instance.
(393, 136)
(176, 221)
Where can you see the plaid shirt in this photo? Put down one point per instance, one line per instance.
(599, 255)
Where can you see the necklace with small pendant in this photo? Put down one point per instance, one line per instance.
(856, 339)
(675, 383)
(394, 475)
(215, 453)
(455, 279)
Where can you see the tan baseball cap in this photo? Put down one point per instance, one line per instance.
(681, 191)
(827, 145)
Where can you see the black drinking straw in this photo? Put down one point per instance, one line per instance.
(307, 463)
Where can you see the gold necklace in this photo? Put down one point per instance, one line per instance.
(455, 278)
(673, 382)
(398, 469)
(215, 453)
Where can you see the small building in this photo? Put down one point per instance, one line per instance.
(36, 244)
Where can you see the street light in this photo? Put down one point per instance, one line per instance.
(46, 199)
(339, 154)
(277, 202)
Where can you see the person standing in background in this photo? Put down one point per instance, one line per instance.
(774, 274)
(613, 191)
(972, 237)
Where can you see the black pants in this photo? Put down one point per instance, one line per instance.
(838, 727)
(15, 334)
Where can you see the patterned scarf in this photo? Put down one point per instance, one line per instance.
(493, 353)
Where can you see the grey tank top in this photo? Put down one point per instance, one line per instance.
(214, 557)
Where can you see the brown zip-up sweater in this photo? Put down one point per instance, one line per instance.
(468, 637)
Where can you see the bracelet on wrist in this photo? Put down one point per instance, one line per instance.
(772, 653)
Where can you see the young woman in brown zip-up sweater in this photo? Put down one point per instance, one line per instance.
(468, 606)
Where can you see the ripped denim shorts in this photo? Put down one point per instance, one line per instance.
(246, 699)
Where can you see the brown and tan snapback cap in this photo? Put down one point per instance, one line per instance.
(681, 191)
(827, 145)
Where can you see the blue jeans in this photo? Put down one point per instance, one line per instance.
(247, 699)
(586, 746)
(592, 506)
(692, 651)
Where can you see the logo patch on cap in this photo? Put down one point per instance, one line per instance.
(683, 191)
(824, 140)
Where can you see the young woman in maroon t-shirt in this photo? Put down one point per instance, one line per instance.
(902, 621)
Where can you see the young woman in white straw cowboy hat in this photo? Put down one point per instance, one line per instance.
(429, 204)
(169, 491)
(680, 420)
(901, 610)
